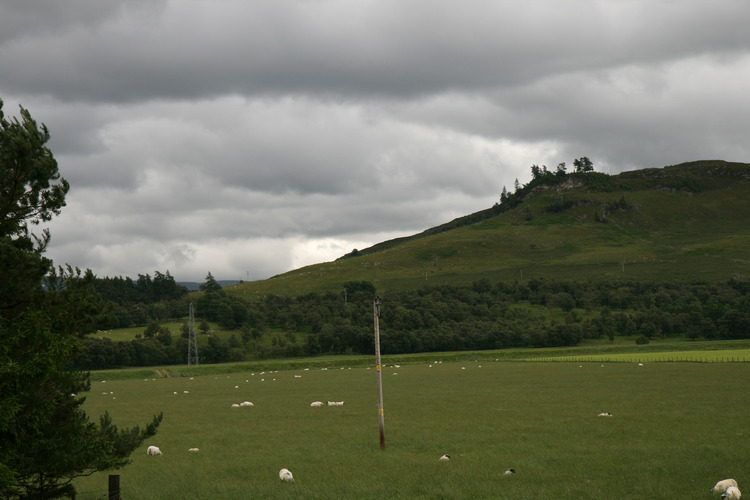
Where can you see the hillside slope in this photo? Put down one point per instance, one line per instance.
(681, 222)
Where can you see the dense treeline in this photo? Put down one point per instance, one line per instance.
(135, 302)
(485, 315)
(145, 289)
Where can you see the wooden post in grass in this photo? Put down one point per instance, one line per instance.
(114, 487)
(379, 369)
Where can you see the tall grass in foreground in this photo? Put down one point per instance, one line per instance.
(676, 429)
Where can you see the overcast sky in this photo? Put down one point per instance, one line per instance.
(247, 138)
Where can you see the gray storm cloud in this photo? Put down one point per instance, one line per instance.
(249, 138)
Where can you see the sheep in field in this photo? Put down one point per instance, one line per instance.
(246, 403)
(316, 404)
(445, 457)
(605, 414)
(509, 472)
(286, 475)
(153, 450)
(335, 403)
(732, 493)
(193, 449)
(722, 485)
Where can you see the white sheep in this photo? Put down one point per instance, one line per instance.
(509, 472)
(722, 485)
(316, 404)
(153, 450)
(235, 405)
(246, 403)
(732, 493)
(445, 457)
(605, 414)
(193, 449)
(286, 475)
(335, 403)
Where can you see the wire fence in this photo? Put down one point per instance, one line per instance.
(655, 359)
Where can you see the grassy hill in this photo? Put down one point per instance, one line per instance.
(681, 222)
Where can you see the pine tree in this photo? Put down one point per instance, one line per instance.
(46, 439)
(210, 285)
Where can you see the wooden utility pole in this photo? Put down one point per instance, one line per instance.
(379, 369)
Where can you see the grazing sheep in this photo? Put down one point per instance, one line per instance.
(316, 404)
(286, 475)
(246, 403)
(153, 450)
(235, 405)
(722, 485)
(509, 472)
(605, 414)
(335, 403)
(445, 457)
(193, 449)
(732, 493)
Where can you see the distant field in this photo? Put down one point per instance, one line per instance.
(676, 429)
(174, 326)
(127, 334)
(719, 356)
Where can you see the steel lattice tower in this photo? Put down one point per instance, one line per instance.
(192, 343)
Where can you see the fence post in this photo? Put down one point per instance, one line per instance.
(114, 487)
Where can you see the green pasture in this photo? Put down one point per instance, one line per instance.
(130, 333)
(174, 326)
(675, 429)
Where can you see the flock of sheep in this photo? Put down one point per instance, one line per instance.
(727, 488)
(284, 474)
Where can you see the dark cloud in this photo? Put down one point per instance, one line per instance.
(247, 138)
(196, 49)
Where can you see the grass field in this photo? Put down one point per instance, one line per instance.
(676, 429)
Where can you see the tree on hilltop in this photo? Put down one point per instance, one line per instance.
(583, 165)
(210, 285)
(46, 439)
